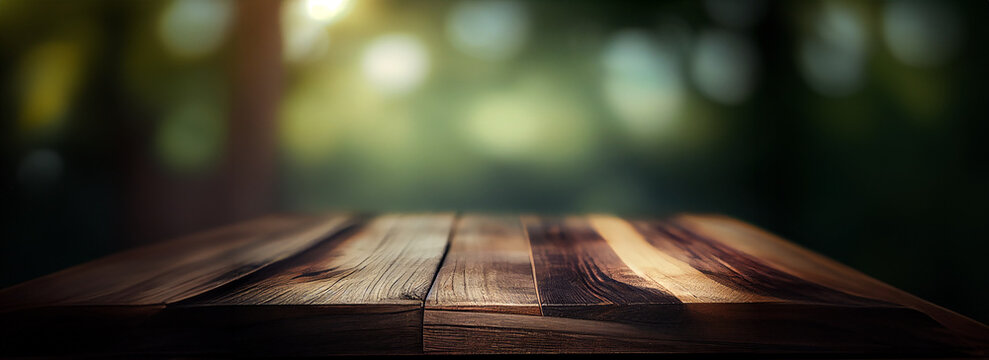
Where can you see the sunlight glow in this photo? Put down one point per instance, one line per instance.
(327, 11)
(395, 63)
(532, 122)
(303, 38)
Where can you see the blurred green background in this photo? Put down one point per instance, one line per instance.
(855, 128)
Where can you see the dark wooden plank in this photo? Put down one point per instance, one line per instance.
(73, 331)
(361, 293)
(705, 329)
(98, 306)
(578, 275)
(282, 330)
(486, 269)
(175, 270)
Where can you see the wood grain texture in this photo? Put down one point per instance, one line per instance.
(611, 285)
(436, 283)
(741, 272)
(100, 306)
(391, 260)
(706, 328)
(677, 272)
(175, 270)
(974, 336)
(487, 268)
(361, 293)
(579, 275)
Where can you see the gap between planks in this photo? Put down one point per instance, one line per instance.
(532, 265)
(446, 250)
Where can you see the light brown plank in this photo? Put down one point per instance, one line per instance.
(741, 272)
(687, 283)
(392, 260)
(487, 268)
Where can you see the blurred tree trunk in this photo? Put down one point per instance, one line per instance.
(161, 204)
(248, 176)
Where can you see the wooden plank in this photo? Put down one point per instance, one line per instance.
(486, 269)
(392, 260)
(740, 272)
(282, 330)
(578, 275)
(408, 284)
(175, 270)
(705, 329)
(358, 294)
(98, 305)
(677, 272)
(610, 285)
(71, 331)
(809, 265)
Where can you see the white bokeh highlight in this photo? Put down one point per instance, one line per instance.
(327, 11)
(304, 27)
(395, 63)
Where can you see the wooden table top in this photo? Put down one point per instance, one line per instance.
(289, 285)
